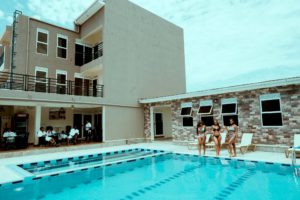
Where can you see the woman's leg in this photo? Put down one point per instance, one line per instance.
(199, 145)
(219, 145)
(230, 142)
(216, 144)
(234, 149)
(204, 146)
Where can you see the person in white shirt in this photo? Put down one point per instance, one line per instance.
(88, 131)
(74, 132)
(9, 137)
(41, 132)
(49, 139)
(9, 133)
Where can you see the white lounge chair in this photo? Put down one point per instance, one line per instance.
(195, 142)
(296, 144)
(245, 142)
(223, 141)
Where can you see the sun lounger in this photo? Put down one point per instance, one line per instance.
(195, 142)
(223, 141)
(245, 142)
(295, 147)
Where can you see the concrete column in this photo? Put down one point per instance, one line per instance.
(37, 124)
(103, 124)
(152, 123)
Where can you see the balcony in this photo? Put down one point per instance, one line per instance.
(85, 54)
(24, 82)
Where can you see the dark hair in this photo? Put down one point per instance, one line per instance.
(217, 122)
(41, 128)
(200, 123)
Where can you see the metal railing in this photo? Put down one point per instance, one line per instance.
(13, 81)
(1, 59)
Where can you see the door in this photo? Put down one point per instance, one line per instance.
(78, 86)
(95, 87)
(158, 124)
(98, 127)
(86, 87)
(77, 121)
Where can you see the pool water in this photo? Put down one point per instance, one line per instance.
(81, 162)
(168, 176)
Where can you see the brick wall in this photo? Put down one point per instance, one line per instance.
(249, 115)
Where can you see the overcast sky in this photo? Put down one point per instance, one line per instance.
(227, 42)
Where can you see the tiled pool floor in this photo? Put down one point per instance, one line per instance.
(9, 175)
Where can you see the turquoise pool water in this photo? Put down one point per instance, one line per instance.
(169, 176)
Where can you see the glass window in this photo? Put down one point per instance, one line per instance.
(186, 111)
(187, 121)
(61, 81)
(42, 42)
(78, 55)
(205, 110)
(229, 108)
(271, 110)
(208, 120)
(226, 119)
(41, 81)
(62, 47)
(272, 119)
(270, 105)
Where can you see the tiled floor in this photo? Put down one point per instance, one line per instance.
(8, 175)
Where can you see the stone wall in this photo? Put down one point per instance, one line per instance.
(249, 116)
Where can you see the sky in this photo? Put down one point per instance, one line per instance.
(227, 42)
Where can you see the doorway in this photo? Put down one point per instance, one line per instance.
(159, 131)
(77, 121)
(98, 127)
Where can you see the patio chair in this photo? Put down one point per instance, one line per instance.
(223, 141)
(195, 142)
(246, 141)
(296, 145)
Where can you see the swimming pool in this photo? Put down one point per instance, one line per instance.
(163, 176)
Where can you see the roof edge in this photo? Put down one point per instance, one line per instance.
(216, 91)
(89, 12)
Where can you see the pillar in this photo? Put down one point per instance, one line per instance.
(38, 111)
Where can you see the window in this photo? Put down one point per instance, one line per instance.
(41, 79)
(62, 46)
(208, 120)
(186, 109)
(187, 121)
(226, 119)
(271, 110)
(229, 110)
(61, 82)
(83, 54)
(206, 112)
(78, 55)
(42, 41)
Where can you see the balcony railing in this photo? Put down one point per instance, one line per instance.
(85, 54)
(24, 82)
(1, 59)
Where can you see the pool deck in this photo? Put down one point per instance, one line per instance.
(9, 175)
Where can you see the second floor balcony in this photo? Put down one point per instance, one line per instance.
(79, 87)
(85, 54)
